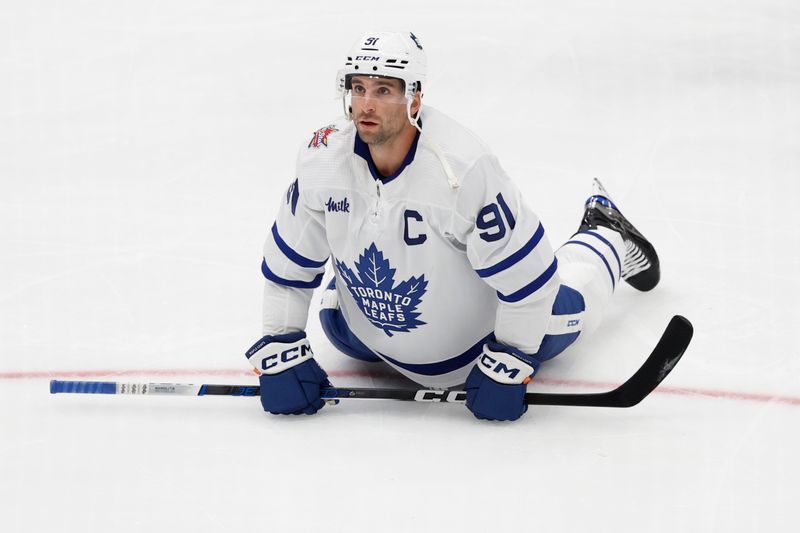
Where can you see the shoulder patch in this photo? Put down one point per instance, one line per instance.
(320, 137)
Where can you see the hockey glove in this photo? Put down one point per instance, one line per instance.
(496, 385)
(290, 377)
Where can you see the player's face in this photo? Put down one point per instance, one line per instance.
(379, 108)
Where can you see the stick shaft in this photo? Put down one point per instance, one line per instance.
(662, 360)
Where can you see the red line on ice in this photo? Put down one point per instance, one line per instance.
(230, 372)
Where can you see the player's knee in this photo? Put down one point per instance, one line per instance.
(566, 323)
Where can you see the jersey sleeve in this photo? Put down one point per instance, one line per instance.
(508, 248)
(295, 253)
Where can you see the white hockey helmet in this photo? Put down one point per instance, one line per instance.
(386, 54)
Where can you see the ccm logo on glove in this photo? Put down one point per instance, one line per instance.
(281, 356)
(504, 367)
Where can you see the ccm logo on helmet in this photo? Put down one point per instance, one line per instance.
(367, 58)
(286, 356)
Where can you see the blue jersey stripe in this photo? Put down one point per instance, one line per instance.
(295, 257)
(442, 367)
(514, 258)
(313, 284)
(531, 287)
(604, 240)
(601, 256)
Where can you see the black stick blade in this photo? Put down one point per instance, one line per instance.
(659, 364)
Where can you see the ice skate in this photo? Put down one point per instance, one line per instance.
(640, 267)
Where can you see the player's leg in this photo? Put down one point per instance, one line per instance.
(590, 263)
(606, 249)
(337, 330)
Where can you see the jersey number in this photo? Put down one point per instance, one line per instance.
(490, 219)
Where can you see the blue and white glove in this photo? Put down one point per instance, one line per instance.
(290, 377)
(496, 385)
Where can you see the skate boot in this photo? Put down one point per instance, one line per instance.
(640, 268)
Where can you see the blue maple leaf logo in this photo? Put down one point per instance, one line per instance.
(393, 308)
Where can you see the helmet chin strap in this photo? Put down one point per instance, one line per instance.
(348, 110)
(414, 121)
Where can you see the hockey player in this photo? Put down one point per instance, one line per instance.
(441, 269)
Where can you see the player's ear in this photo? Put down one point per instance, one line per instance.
(416, 104)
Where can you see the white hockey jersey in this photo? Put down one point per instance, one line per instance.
(428, 262)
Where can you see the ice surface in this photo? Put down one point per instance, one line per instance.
(143, 147)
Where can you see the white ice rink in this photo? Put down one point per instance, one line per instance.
(143, 150)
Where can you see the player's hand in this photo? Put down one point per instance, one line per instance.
(496, 385)
(290, 377)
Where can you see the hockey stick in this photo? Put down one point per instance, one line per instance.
(662, 360)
